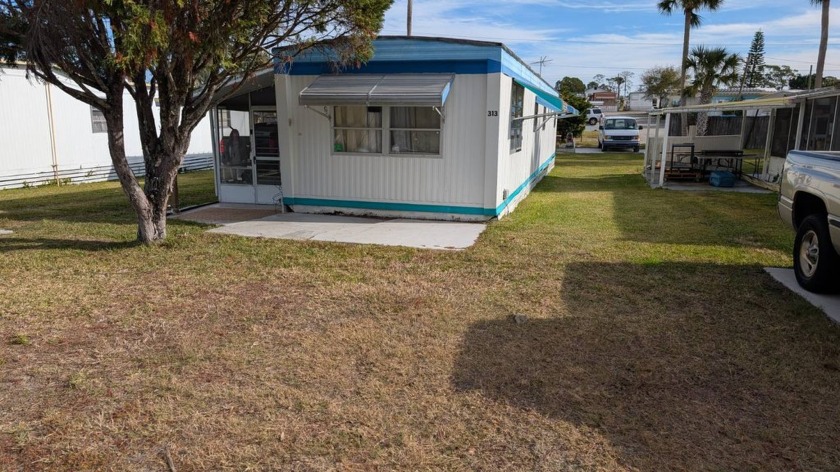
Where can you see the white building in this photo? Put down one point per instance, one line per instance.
(48, 135)
(429, 128)
(636, 101)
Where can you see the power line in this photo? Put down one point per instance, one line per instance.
(616, 43)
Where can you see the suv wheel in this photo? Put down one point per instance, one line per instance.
(814, 259)
(592, 121)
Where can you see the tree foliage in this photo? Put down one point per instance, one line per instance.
(574, 124)
(754, 72)
(570, 85)
(805, 82)
(661, 82)
(711, 68)
(626, 77)
(778, 77)
(692, 19)
(178, 52)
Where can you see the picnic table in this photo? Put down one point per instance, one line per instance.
(723, 159)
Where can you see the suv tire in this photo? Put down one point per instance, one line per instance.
(593, 121)
(814, 259)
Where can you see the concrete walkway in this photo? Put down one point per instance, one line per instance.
(829, 304)
(423, 234)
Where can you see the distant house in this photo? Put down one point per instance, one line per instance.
(605, 99)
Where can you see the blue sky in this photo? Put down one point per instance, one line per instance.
(588, 37)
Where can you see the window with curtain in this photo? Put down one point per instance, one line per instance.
(517, 105)
(357, 129)
(414, 130)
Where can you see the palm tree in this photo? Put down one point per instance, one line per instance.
(692, 20)
(710, 68)
(826, 4)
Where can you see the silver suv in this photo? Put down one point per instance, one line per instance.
(594, 116)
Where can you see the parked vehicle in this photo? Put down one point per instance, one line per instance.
(809, 200)
(619, 132)
(594, 116)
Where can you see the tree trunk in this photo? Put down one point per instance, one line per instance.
(161, 169)
(686, 38)
(149, 203)
(818, 79)
(408, 19)
(146, 232)
(703, 118)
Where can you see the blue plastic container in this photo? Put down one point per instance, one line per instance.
(722, 178)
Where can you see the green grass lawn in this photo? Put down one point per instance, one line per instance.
(654, 340)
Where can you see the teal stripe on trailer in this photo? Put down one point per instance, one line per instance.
(448, 209)
(527, 182)
(389, 206)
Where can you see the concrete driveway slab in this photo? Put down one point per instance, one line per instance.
(423, 234)
(829, 304)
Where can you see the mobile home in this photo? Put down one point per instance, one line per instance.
(49, 136)
(428, 128)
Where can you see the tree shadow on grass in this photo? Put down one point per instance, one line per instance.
(678, 366)
(23, 244)
(101, 202)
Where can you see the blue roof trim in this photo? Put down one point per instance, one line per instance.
(550, 100)
(418, 55)
(394, 67)
(418, 67)
(448, 209)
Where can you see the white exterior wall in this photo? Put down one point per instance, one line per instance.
(80, 154)
(456, 178)
(638, 102)
(515, 168)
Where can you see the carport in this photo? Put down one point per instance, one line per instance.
(660, 151)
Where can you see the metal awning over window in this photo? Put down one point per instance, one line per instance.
(393, 89)
(549, 100)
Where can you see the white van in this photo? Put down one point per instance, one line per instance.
(620, 132)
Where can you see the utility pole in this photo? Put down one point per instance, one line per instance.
(408, 19)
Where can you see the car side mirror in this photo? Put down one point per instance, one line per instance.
(601, 127)
(641, 128)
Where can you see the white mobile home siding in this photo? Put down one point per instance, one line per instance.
(538, 147)
(475, 177)
(80, 155)
(456, 178)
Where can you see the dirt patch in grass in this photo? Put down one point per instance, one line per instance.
(654, 341)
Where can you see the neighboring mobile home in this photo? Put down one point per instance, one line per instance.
(49, 136)
(428, 128)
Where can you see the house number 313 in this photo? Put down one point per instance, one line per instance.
(493, 113)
